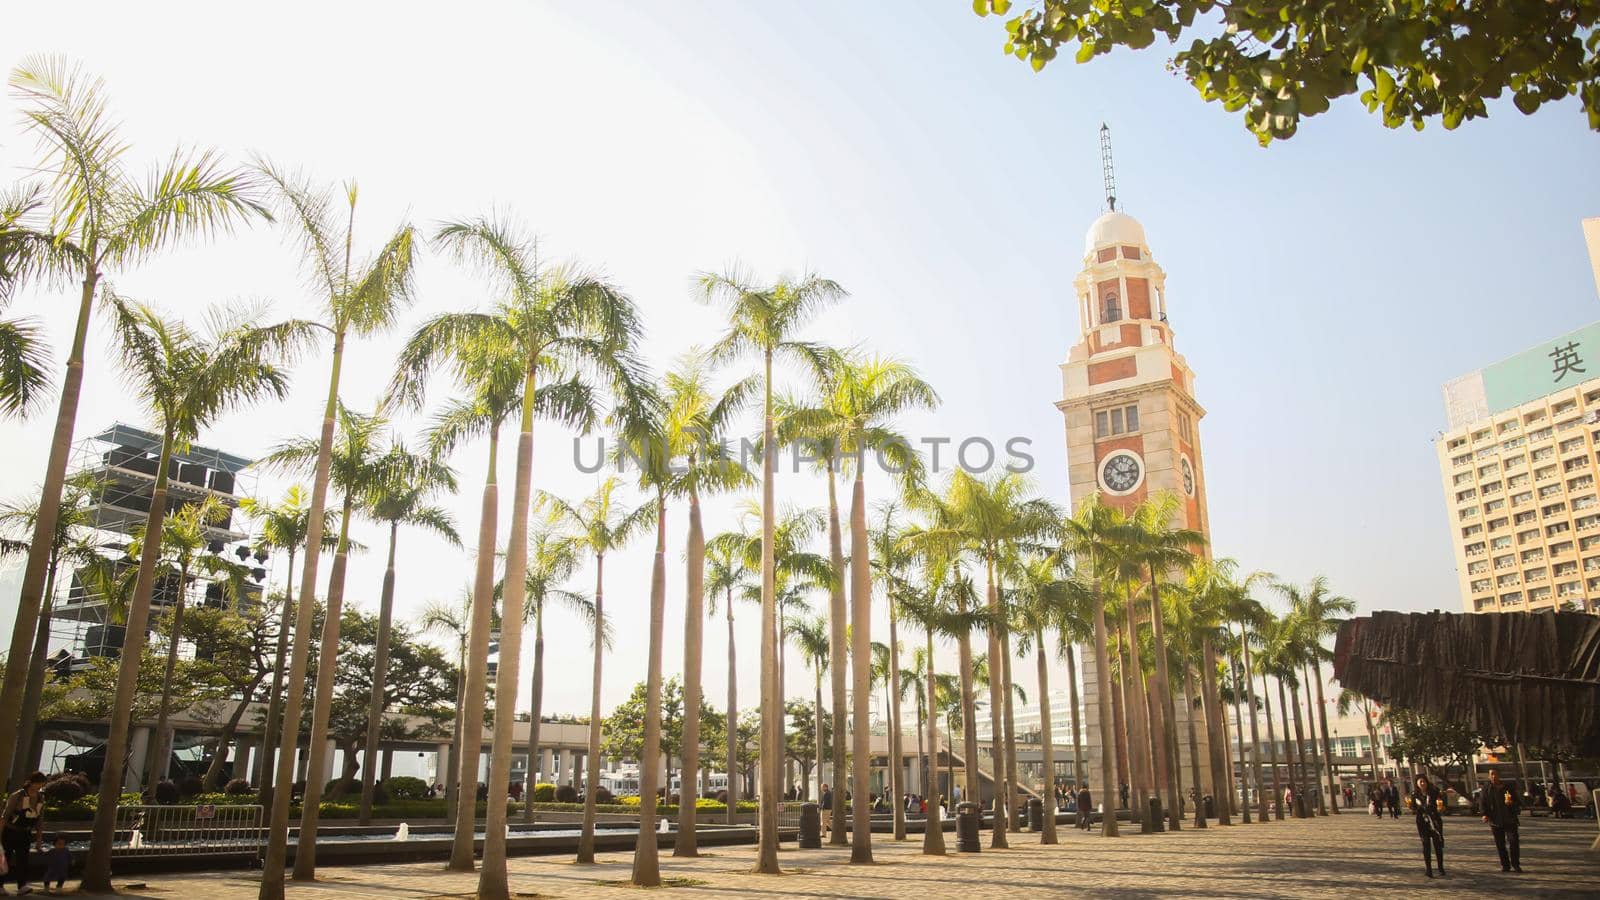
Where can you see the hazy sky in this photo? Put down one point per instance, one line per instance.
(1321, 289)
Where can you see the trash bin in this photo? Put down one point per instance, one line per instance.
(810, 827)
(1036, 814)
(1211, 807)
(1158, 823)
(968, 818)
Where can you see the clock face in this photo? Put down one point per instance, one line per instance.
(1121, 472)
(1188, 477)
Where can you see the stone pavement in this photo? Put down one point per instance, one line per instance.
(1349, 855)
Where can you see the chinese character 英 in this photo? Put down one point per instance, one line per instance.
(1567, 360)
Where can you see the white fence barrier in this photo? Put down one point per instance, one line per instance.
(189, 830)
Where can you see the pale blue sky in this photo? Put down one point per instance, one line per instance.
(1322, 289)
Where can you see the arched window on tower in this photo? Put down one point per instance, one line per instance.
(1111, 309)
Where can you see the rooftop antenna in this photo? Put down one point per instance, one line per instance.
(1106, 168)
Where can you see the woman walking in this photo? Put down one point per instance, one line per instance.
(1427, 804)
(23, 827)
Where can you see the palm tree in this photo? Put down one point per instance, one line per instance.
(283, 527)
(355, 468)
(103, 220)
(1250, 614)
(556, 323)
(454, 619)
(1348, 702)
(727, 575)
(1208, 596)
(1318, 614)
(811, 636)
(186, 379)
(1125, 574)
(764, 320)
(1161, 548)
(694, 424)
(398, 496)
(27, 246)
(1262, 668)
(1089, 534)
(184, 534)
(71, 545)
(599, 525)
(552, 559)
(890, 557)
(1278, 659)
(359, 298)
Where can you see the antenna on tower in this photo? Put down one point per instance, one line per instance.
(1106, 167)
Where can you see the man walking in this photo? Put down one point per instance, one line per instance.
(1392, 795)
(1500, 807)
(1085, 806)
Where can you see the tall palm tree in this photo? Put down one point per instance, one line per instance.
(1089, 534)
(1248, 612)
(354, 468)
(102, 220)
(890, 558)
(71, 544)
(186, 379)
(359, 298)
(185, 533)
(1161, 549)
(1263, 669)
(552, 559)
(558, 324)
(695, 422)
(1348, 702)
(1125, 575)
(453, 618)
(1318, 612)
(1208, 596)
(491, 369)
(599, 525)
(398, 495)
(764, 319)
(728, 576)
(1278, 658)
(283, 526)
(811, 636)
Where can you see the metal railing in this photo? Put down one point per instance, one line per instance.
(188, 830)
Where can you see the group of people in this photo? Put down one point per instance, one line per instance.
(23, 831)
(1498, 805)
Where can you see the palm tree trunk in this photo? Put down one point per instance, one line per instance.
(1243, 807)
(1372, 746)
(1108, 746)
(452, 788)
(380, 671)
(1255, 733)
(1047, 741)
(1138, 720)
(1166, 726)
(160, 744)
(1119, 721)
(31, 598)
(836, 652)
(536, 692)
(492, 882)
(933, 828)
(969, 719)
(1072, 698)
(646, 862)
(771, 702)
(1318, 761)
(1194, 747)
(294, 688)
(1013, 788)
(860, 672)
(471, 713)
(211, 781)
(305, 852)
(733, 723)
(270, 729)
(1272, 745)
(97, 871)
(592, 757)
(997, 687)
(694, 613)
(1327, 743)
(816, 720)
(27, 753)
(897, 788)
(1216, 737)
(1301, 810)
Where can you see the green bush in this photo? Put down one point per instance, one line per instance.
(237, 788)
(64, 789)
(544, 792)
(405, 787)
(567, 794)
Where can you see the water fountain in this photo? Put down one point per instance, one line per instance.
(403, 833)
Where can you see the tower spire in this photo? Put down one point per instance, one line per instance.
(1107, 171)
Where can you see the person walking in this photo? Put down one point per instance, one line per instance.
(1085, 806)
(1500, 807)
(1392, 795)
(1427, 805)
(23, 828)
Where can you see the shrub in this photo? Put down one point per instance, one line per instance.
(63, 789)
(602, 795)
(544, 792)
(166, 792)
(566, 794)
(722, 797)
(190, 785)
(405, 787)
(238, 788)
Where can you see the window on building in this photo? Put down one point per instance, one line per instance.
(1111, 309)
(1119, 420)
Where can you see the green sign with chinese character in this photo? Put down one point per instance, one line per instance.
(1563, 362)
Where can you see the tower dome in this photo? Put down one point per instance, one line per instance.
(1111, 229)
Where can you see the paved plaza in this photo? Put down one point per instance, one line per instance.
(1352, 854)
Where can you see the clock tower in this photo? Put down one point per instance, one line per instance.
(1128, 401)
